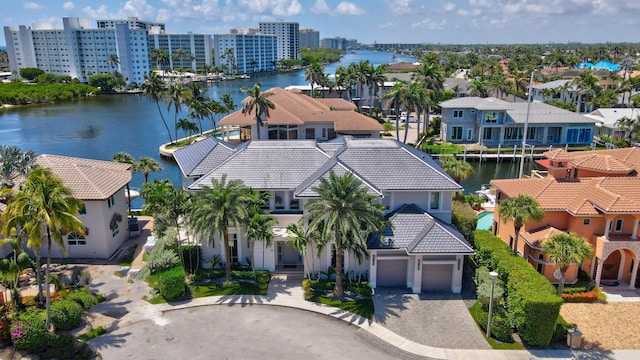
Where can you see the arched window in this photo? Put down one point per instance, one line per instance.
(76, 239)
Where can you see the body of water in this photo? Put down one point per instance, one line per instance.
(100, 127)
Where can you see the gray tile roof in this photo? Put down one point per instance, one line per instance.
(306, 189)
(489, 103)
(541, 113)
(269, 164)
(414, 230)
(555, 84)
(202, 156)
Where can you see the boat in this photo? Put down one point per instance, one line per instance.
(489, 193)
(244, 76)
(131, 193)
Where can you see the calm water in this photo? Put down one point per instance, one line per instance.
(98, 128)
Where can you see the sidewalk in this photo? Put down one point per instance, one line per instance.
(290, 294)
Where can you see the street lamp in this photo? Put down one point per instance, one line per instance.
(526, 123)
(493, 275)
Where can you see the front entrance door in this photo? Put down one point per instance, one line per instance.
(233, 244)
(287, 254)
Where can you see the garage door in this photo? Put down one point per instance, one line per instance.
(436, 277)
(392, 273)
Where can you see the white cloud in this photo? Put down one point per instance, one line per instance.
(448, 7)
(349, 8)
(68, 5)
(272, 7)
(32, 6)
(429, 24)
(401, 7)
(320, 7)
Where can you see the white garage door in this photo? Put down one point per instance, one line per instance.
(391, 273)
(436, 277)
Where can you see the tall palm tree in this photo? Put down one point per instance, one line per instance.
(259, 229)
(479, 88)
(175, 96)
(178, 54)
(159, 56)
(396, 96)
(303, 239)
(189, 128)
(566, 249)
(376, 81)
(588, 88)
(457, 169)
(314, 74)
(216, 209)
(46, 205)
(521, 210)
(342, 212)
(114, 61)
(146, 165)
(342, 81)
(259, 103)
(14, 163)
(154, 87)
(228, 102)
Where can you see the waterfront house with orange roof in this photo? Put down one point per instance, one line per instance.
(297, 116)
(595, 194)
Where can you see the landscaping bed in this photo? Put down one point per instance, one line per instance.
(609, 326)
(357, 297)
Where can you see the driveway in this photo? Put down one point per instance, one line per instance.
(438, 320)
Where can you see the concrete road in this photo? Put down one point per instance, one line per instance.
(240, 332)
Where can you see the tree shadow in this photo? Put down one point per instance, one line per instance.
(573, 354)
(389, 302)
(108, 340)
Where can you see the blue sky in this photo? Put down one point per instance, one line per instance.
(404, 21)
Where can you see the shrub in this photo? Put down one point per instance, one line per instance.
(93, 333)
(561, 329)
(465, 219)
(28, 330)
(160, 259)
(63, 347)
(583, 297)
(65, 314)
(484, 287)
(263, 277)
(532, 301)
(84, 298)
(191, 257)
(169, 283)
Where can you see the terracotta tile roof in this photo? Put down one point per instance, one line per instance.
(536, 237)
(614, 161)
(297, 109)
(86, 178)
(401, 66)
(586, 196)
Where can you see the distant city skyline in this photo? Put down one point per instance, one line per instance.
(368, 21)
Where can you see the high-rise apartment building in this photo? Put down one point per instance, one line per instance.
(288, 34)
(79, 51)
(309, 38)
(196, 49)
(244, 53)
(134, 24)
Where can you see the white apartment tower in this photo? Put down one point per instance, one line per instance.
(244, 53)
(288, 34)
(79, 51)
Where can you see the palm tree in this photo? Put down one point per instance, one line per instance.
(44, 204)
(520, 210)
(176, 95)
(342, 81)
(376, 80)
(303, 239)
(342, 212)
(228, 102)
(159, 56)
(259, 102)
(216, 209)
(565, 249)
(189, 128)
(178, 54)
(457, 169)
(479, 88)
(314, 74)
(123, 157)
(154, 87)
(396, 96)
(588, 88)
(146, 165)
(114, 61)
(259, 229)
(14, 163)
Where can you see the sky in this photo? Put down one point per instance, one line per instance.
(368, 21)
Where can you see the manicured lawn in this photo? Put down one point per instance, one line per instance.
(493, 342)
(362, 307)
(92, 334)
(236, 288)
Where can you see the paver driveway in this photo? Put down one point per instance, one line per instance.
(438, 320)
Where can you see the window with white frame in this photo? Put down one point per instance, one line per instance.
(491, 117)
(458, 114)
(111, 200)
(619, 225)
(487, 133)
(76, 239)
(115, 230)
(513, 133)
(586, 221)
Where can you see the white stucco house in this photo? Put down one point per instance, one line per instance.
(420, 250)
(101, 187)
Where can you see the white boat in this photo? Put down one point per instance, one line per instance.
(489, 193)
(131, 193)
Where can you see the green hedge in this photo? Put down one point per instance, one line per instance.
(170, 283)
(84, 298)
(28, 330)
(65, 314)
(532, 301)
(465, 219)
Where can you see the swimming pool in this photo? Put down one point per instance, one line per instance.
(485, 220)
